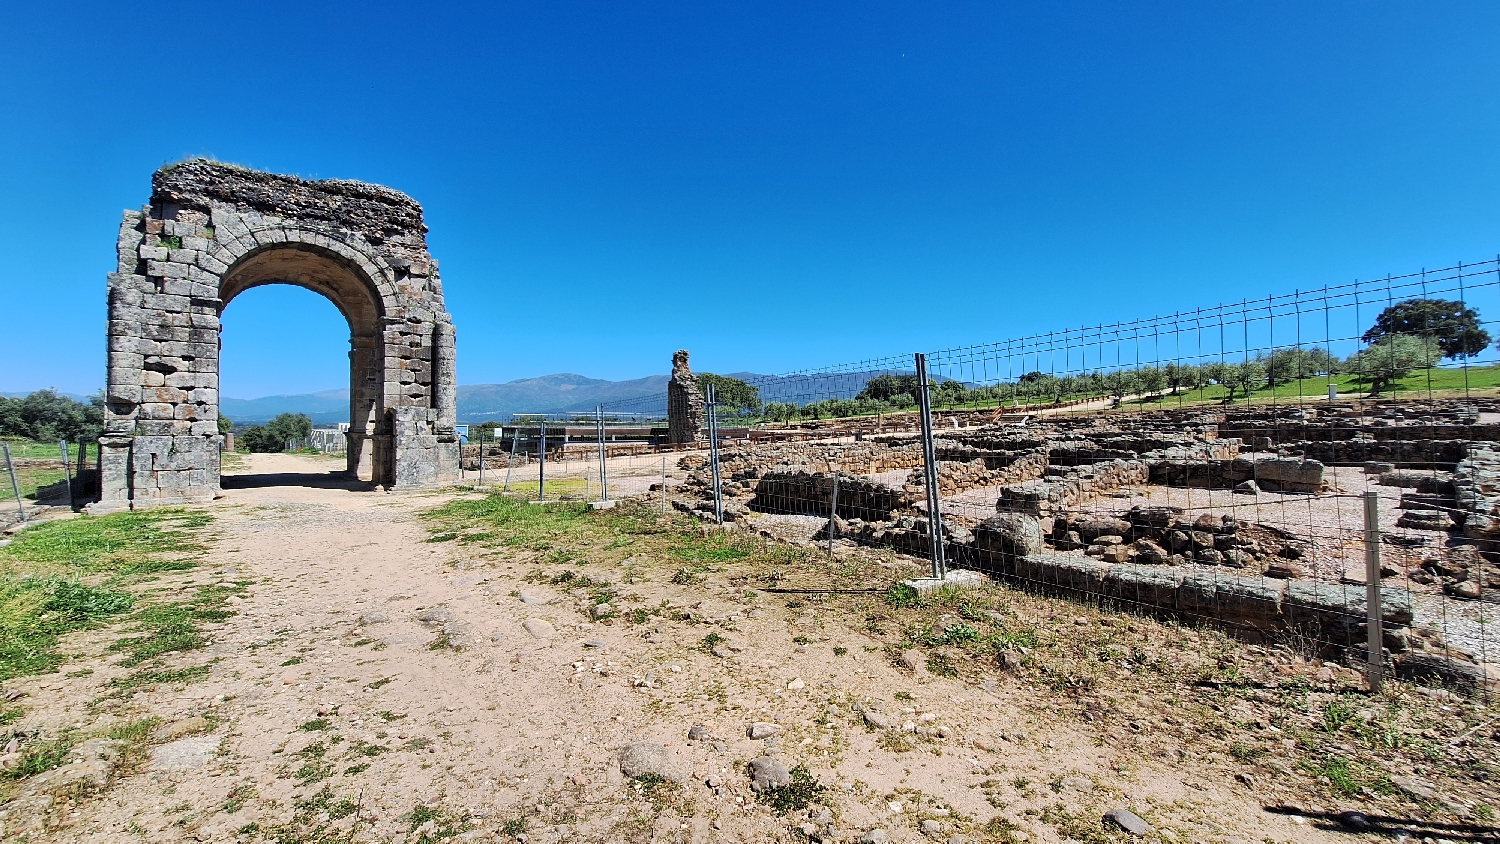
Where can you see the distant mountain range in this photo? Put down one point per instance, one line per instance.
(560, 393)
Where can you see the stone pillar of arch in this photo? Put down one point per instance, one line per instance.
(213, 231)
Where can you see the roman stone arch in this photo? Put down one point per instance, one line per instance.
(213, 231)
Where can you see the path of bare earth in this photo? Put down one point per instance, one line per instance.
(329, 647)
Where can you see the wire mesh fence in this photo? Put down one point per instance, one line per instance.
(1317, 470)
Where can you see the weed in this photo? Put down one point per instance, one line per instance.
(959, 634)
(432, 824)
(795, 795)
(514, 826)
(942, 665)
(656, 789)
(360, 747)
(381, 682)
(903, 695)
(388, 716)
(1336, 770)
(152, 677)
(10, 715)
(902, 596)
(356, 769)
(315, 725)
(839, 650)
(238, 797)
(894, 741)
(1336, 715)
(685, 577)
(39, 756)
(709, 642)
(313, 772)
(1245, 753)
(133, 731)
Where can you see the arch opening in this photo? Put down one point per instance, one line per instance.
(356, 297)
(284, 349)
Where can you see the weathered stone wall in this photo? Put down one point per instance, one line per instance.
(1271, 473)
(811, 493)
(213, 231)
(685, 412)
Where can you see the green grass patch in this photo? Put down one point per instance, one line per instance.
(444, 824)
(153, 677)
(174, 628)
(40, 756)
(31, 478)
(796, 795)
(715, 548)
(556, 488)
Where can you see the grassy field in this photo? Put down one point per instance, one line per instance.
(30, 478)
(1437, 383)
(27, 449)
(559, 488)
(129, 574)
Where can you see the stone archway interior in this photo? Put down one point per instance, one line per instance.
(213, 231)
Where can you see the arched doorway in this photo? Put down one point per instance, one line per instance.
(213, 231)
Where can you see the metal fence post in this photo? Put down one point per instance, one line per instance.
(929, 465)
(663, 486)
(514, 444)
(481, 457)
(541, 471)
(713, 454)
(62, 446)
(603, 455)
(16, 485)
(833, 514)
(1375, 640)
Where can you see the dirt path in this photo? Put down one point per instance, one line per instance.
(375, 686)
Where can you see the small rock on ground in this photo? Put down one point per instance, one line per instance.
(539, 627)
(647, 758)
(1128, 821)
(767, 773)
(762, 730)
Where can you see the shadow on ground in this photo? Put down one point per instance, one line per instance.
(313, 480)
(1359, 822)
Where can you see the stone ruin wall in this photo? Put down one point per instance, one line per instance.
(685, 406)
(212, 231)
(1160, 559)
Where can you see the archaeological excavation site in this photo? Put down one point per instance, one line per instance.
(1253, 518)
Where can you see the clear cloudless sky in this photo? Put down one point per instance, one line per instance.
(773, 185)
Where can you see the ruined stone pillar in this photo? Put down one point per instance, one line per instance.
(364, 387)
(684, 402)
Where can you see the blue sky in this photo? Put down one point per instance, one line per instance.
(771, 185)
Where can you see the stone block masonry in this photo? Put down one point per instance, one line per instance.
(213, 231)
(685, 407)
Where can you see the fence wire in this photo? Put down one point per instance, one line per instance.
(1318, 470)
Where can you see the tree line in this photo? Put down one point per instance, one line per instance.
(1407, 336)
